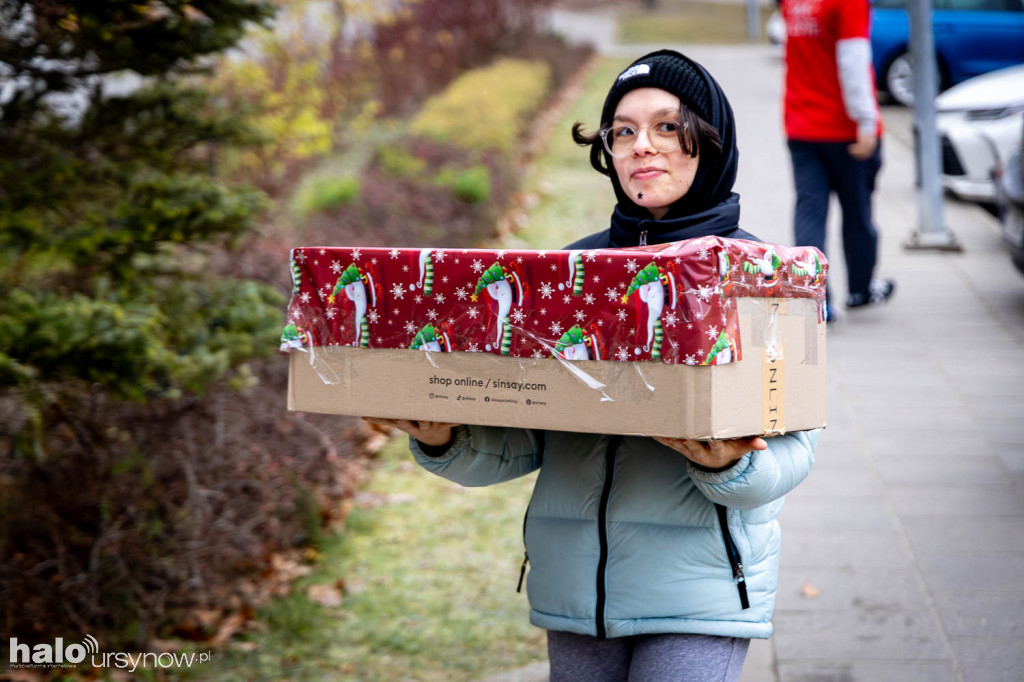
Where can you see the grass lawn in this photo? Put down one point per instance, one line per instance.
(674, 22)
(429, 572)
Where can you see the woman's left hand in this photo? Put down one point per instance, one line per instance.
(714, 454)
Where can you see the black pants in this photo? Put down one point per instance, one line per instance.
(819, 169)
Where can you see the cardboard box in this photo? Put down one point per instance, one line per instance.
(737, 346)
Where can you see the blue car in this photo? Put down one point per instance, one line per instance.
(972, 37)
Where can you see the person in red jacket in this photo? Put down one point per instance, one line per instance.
(834, 133)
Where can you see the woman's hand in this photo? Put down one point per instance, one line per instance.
(431, 433)
(715, 454)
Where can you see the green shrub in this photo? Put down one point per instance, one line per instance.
(400, 163)
(486, 109)
(472, 185)
(327, 194)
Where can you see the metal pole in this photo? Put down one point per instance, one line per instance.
(753, 21)
(931, 232)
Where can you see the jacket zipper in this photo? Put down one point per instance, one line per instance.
(643, 238)
(734, 556)
(526, 555)
(602, 533)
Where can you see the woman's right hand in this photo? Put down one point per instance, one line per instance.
(431, 433)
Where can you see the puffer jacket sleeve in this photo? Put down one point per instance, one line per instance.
(483, 455)
(760, 476)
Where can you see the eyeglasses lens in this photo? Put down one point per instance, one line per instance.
(663, 136)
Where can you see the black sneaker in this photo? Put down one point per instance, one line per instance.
(879, 291)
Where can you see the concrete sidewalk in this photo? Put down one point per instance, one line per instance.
(904, 549)
(903, 552)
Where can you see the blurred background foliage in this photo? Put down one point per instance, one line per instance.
(159, 160)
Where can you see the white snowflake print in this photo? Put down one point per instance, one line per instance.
(373, 316)
(398, 291)
(335, 266)
(690, 360)
(298, 313)
(405, 268)
(431, 315)
(477, 266)
(331, 312)
(689, 325)
(518, 315)
(461, 294)
(712, 332)
(612, 294)
(305, 297)
(555, 328)
(473, 348)
(703, 253)
(519, 260)
(704, 292)
(580, 315)
(590, 256)
(631, 266)
(439, 256)
(440, 298)
(393, 253)
(546, 290)
(537, 354)
(356, 255)
(472, 312)
(380, 340)
(418, 299)
(671, 320)
(608, 259)
(554, 267)
(542, 254)
(300, 255)
(500, 254)
(588, 299)
(566, 299)
(322, 252)
(444, 280)
(410, 328)
(597, 279)
(600, 323)
(622, 354)
(621, 315)
(543, 311)
(373, 261)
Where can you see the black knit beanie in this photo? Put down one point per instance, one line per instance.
(699, 92)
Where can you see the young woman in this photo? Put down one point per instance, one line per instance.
(651, 559)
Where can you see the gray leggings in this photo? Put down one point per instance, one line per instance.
(645, 658)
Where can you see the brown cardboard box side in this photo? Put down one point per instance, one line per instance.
(777, 387)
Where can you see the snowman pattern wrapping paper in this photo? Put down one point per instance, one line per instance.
(672, 303)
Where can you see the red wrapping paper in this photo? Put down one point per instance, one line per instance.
(673, 303)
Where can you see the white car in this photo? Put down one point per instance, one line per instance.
(979, 122)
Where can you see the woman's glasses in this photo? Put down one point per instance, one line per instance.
(664, 136)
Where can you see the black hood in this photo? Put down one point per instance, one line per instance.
(628, 230)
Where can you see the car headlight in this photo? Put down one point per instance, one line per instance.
(994, 114)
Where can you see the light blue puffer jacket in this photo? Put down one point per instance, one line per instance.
(624, 535)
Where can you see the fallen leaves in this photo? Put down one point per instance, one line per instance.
(809, 591)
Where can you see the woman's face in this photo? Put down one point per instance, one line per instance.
(652, 179)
